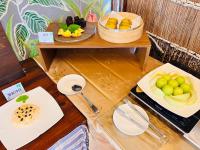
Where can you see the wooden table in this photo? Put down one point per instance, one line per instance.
(110, 75)
(48, 51)
(72, 117)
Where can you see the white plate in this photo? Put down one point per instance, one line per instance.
(125, 125)
(181, 110)
(50, 113)
(65, 84)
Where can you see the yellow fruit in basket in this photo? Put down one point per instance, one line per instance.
(112, 21)
(124, 24)
(124, 27)
(127, 21)
(67, 34)
(60, 32)
(111, 26)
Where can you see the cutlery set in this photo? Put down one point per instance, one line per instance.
(143, 125)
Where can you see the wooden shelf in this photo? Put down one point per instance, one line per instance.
(48, 51)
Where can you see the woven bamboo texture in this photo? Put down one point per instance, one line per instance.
(170, 20)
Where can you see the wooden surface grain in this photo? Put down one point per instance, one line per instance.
(169, 20)
(48, 51)
(110, 75)
(72, 117)
(95, 42)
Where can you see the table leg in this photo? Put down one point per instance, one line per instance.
(142, 55)
(47, 56)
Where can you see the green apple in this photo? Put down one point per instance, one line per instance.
(167, 90)
(167, 77)
(186, 88)
(177, 91)
(180, 80)
(173, 83)
(161, 82)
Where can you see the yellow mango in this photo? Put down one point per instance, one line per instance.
(67, 34)
(81, 30)
(111, 26)
(60, 31)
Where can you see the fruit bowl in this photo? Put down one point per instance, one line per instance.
(185, 102)
(74, 30)
(114, 35)
(89, 31)
(175, 88)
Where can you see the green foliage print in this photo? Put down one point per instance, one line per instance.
(3, 7)
(21, 36)
(47, 3)
(9, 34)
(75, 8)
(35, 22)
(31, 45)
(30, 21)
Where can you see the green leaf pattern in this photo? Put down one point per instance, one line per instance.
(9, 34)
(21, 36)
(55, 3)
(3, 7)
(31, 46)
(73, 7)
(35, 22)
(32, 22)
(88, 8)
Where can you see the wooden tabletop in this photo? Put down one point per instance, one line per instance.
(72, 117)
(110, 74)
(95, 42)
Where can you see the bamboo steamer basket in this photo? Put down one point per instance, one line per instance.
(120, 36)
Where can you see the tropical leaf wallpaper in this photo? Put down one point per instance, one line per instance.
(23, 19)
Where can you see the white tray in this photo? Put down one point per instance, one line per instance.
(50, 113)
(181, 110)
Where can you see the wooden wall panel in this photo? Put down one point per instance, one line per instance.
(169, 20)
(10, 68)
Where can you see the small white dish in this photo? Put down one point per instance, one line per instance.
(181, 110)
(126, 126)
(65, 84)
(50, 113)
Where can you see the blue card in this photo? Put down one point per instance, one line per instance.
(45, 37)
(13, 91)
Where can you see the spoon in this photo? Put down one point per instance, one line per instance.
(78, 88)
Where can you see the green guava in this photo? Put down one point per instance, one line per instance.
(180, 80)
(161, 82)
(173, 83)
(167, 90)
